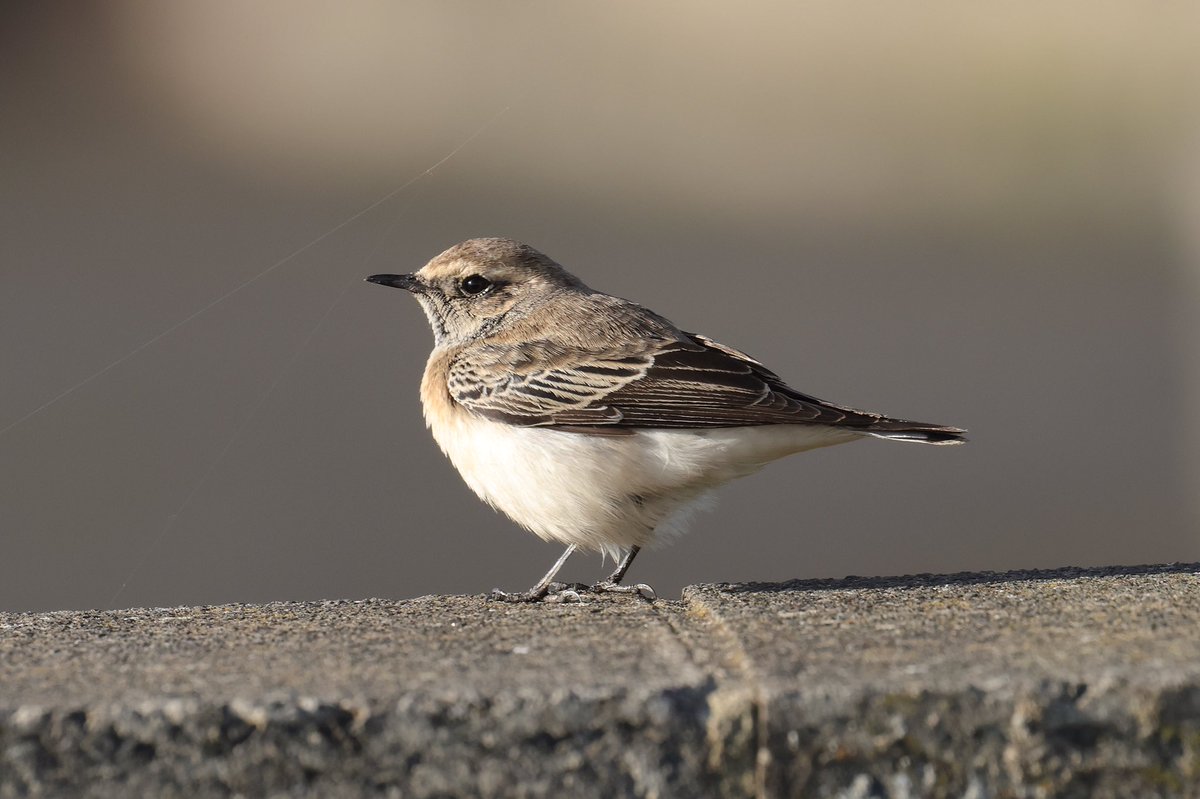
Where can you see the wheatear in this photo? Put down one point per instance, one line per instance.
(592, 421)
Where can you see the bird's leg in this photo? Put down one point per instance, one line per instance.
(613, 584)
(539, 591)
(619, 573)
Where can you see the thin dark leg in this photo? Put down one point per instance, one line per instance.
(613, 584)
(619, 574)
(539, 591)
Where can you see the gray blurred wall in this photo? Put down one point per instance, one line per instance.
(984, 216)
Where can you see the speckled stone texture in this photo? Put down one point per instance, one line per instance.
(1026, 684)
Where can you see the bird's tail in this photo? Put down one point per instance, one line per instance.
(920, 432)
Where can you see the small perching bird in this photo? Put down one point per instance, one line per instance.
(592, 421)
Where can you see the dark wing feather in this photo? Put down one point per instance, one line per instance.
(700, 383)
(690, 382)
(535, 384)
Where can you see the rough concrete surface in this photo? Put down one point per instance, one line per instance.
(1026, 684)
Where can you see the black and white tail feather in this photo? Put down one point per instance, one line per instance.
(921, 433)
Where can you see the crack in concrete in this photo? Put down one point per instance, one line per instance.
(951, 685)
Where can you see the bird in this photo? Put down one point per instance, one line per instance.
(594, 422)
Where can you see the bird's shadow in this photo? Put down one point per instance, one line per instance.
(957, 578)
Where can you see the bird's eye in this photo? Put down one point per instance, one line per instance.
(473, 285)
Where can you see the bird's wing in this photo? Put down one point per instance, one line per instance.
(686, 382)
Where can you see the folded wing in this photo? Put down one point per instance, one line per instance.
(688, 382)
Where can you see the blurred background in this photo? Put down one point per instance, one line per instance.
(986, 216)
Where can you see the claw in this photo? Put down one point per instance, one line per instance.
(516, 596)
(646, 592)
(609, 587)
(551, 593)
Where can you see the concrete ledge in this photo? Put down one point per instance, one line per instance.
(1063, 683)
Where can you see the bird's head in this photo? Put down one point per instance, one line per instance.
(473, 289)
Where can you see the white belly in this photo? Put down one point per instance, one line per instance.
(609, 492)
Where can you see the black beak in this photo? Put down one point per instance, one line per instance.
(406, 282)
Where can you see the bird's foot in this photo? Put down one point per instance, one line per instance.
(609, 587)
(516, 596)
(562, 593)
(551, 593)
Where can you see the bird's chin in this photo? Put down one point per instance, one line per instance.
(440, 333)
